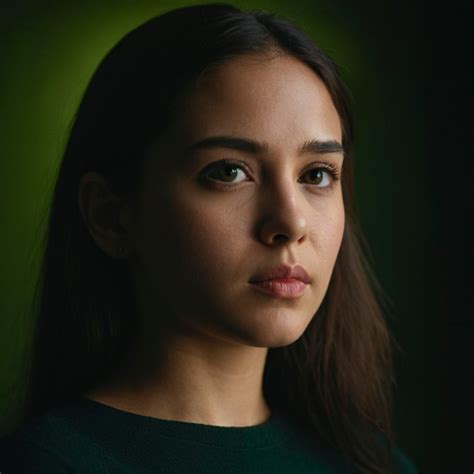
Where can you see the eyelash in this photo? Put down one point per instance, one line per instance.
(333, 170)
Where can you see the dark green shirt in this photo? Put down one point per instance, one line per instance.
(85, 436)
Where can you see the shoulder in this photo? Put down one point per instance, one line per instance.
(18, 455)
(404, 464)
(401, 462)
(48, 444)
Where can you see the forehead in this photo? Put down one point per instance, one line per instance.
(268, 99)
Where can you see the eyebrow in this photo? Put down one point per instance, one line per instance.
(251, 146)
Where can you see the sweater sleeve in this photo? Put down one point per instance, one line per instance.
(19, 456)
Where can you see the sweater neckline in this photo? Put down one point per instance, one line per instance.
(275, 430)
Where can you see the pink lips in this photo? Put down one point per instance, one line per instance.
(283, 272)
(283, 282)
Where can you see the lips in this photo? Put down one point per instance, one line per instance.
(283, 272)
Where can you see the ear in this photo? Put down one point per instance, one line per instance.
(106, 216)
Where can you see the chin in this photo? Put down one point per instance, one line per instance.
(280, 340)
(277, 333)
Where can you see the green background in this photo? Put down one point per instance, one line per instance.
(48, 54)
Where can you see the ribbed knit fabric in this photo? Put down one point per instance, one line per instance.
(85, 436)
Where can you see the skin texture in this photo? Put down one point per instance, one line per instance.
(192, 247)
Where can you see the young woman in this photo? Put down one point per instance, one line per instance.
(204, 304)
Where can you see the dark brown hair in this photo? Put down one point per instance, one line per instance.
(335, 381)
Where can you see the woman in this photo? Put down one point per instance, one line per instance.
(204, 305)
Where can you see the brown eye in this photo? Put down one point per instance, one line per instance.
(226, 172)
(316, 176)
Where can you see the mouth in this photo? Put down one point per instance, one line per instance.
(283, 272)
(281, 287)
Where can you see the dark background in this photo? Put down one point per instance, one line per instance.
(408, 66)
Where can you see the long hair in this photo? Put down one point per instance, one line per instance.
(335, 381)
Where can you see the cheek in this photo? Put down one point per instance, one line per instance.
(327, 229)
(209, 242)
(331, 236)
(202, 238)
(335, 229)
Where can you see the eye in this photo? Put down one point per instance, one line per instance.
(316, 176)
(227, 171)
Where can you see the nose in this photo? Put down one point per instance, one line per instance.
(284, 219)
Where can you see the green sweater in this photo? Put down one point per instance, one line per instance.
(85, 436)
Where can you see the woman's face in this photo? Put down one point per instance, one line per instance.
(199, 240)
